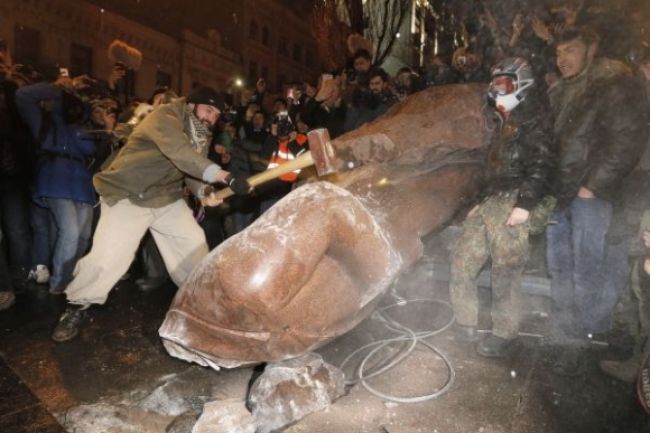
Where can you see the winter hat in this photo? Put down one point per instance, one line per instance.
(206, 96)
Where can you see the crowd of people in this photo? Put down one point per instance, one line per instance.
(84, 176)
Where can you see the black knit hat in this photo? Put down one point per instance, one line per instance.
(206, 96)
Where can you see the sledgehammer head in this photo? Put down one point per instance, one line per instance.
(322, 151)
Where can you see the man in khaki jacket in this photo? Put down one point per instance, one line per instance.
(142, 189)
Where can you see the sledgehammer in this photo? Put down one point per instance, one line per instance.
(320, 154)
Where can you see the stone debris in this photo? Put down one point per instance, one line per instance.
(183, 423)
(107, 418)
(190, 389)
(290, 390)
(225, 416)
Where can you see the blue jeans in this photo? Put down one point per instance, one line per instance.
(587, 273)
(43, 229)
(268, 203)
(73, 222)
(241, 220)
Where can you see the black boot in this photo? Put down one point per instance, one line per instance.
(494, 347)
(69, 324)
(465, 333)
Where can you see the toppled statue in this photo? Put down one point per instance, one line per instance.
(317, 263)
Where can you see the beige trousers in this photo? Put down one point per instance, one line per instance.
(121, 227)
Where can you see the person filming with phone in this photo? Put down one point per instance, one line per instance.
(324, 106)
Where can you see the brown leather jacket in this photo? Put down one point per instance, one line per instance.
(601, 129)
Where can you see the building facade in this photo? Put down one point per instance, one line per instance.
(267, 39)
(277, 44)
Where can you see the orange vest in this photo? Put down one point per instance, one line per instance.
(283, 154)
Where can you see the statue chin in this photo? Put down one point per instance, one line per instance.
(317, 263)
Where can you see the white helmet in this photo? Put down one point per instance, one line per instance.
(510, 79)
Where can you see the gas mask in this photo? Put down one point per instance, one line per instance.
(506, 93)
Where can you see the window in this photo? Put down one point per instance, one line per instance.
(297, 52)
(163, 79)
(252, 31)
(282, 46)
(265, 36)
(28, 46)
(252, 72)
(81, 60)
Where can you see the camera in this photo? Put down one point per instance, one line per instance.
(284, 124)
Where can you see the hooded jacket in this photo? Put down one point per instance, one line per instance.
(62, 168)
(155, 163)
(601, 129)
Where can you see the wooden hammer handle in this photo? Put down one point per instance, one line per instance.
(302, 161)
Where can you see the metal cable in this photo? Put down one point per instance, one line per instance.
(404, 334)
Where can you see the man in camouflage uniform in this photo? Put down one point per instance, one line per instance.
(520, 165)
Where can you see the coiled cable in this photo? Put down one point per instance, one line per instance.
(405, 334)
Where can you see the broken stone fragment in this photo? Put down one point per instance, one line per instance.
(107, 418)
(288, 391)
(190, 389)
(225, 416)
(183, 423)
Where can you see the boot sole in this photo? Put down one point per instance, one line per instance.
(63, 339)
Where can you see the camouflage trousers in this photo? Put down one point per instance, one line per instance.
(640, 283)
(485, 235)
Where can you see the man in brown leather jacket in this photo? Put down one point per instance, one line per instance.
(601, 130)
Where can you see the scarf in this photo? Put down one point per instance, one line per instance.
(199, 135)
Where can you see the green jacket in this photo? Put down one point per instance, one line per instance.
(156, 161)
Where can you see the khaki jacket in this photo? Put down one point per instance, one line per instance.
(151, 169)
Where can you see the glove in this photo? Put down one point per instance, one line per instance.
(238, 184)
